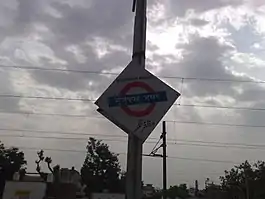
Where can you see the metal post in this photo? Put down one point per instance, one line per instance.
(135, 145)
(139, 38)
(134, 168)
(164, 160)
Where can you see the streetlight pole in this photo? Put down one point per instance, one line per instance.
(164, 156)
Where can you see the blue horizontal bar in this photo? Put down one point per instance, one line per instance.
(135, 99)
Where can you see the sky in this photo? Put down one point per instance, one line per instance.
(212, 52)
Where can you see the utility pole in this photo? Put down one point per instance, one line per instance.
(196, 188)
(135, 145)
(247, 186)
(164, 159)
(164, 156)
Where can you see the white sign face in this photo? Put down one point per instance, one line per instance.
(136, 101)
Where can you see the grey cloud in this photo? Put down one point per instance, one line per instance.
(245, 37)
(198, 22)
(202, 58)
(79, 81)
(255, 117)
(72, 81)
(112, 20)
(101, 16)
(7, 104)
(151, 47)
(26, 13)
(6, 12)
(251, 134)
(180, 7)
(107, 19)
(252, 92)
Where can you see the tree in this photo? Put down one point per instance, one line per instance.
(245, 181)
(55, 170)
(101, 169)
(180, 191)
(11, 160)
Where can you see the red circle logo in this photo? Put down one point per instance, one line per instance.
(137, 113)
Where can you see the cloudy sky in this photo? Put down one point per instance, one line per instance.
(212, 51)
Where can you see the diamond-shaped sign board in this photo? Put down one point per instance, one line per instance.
(136, 101)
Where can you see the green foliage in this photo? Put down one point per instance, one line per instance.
(157, 195)
(11, 160)
(243, 179)
(101, 169)
(180, 191)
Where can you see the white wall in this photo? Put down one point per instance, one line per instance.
(30, 190)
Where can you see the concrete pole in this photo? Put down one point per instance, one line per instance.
(134, 168)
(135, 145)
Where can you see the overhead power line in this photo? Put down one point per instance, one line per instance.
(66, 138)
(102, 118)
(57, 70)
(204, 160)
(25, 113)
(214, 142)
(45, 98)
(176, 142)
(76, 133)
(54, 132)
(222, 107)
(115, 74)
(220, 146)
(216, 124)
(93, 100)
(121, 153)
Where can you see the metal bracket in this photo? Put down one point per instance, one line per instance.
(134, 5)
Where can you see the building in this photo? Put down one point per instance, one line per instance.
(68, 187)
(31, 177)
(18, 189)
